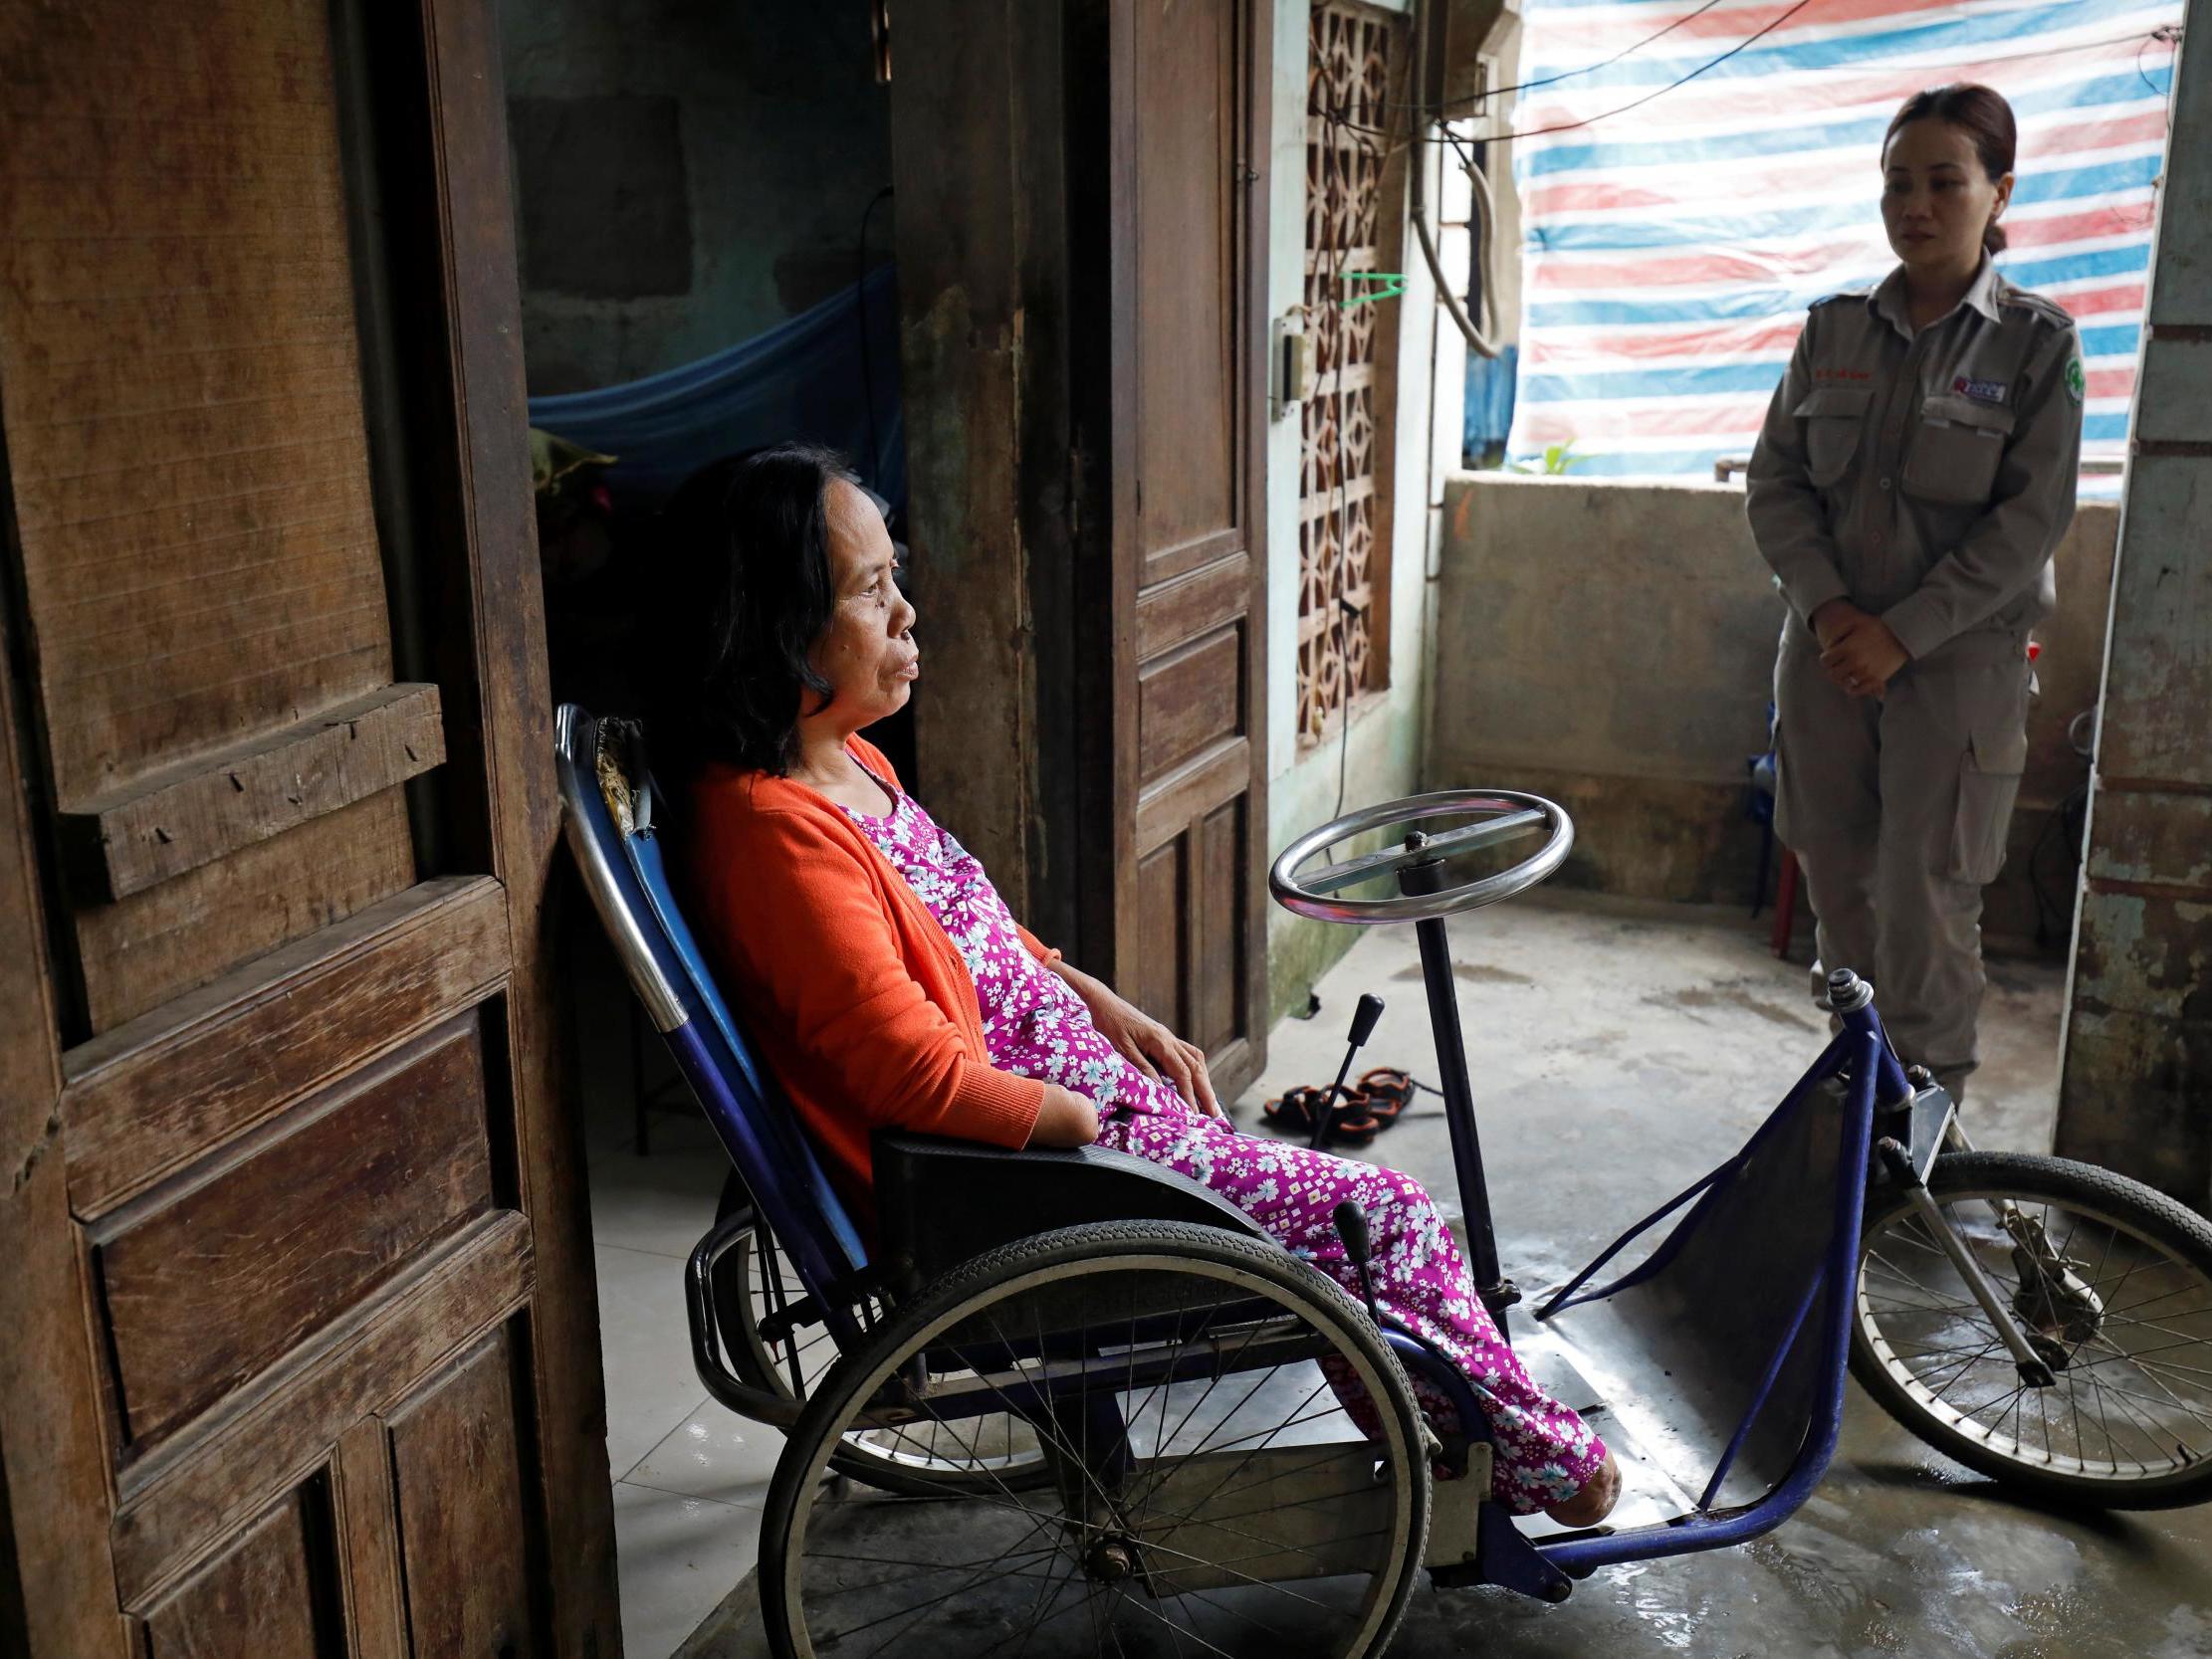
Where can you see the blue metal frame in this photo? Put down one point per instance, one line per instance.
(628, 885)
(1860, 1049)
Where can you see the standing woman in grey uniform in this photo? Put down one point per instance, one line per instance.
(1915, 472)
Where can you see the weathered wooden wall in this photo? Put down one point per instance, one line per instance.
(2136, 1090)
(293, 1227)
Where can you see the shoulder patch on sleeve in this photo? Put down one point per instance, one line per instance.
(2076, 382)
(1832, 298)
(2047, 311)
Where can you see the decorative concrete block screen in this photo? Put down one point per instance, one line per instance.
(1356, 73)
(1671, 245)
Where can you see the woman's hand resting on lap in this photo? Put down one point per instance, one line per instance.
(1143, 1042)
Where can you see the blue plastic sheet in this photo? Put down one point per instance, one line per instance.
(1489, 399)
(802, 380)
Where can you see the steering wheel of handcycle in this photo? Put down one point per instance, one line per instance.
(1418, 858)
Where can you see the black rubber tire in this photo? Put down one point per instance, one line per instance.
(987, 1279)
(2115, 1198)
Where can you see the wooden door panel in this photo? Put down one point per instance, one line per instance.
(1160, 980)
(1187, 254)
(137, 953)
(1189, 699)
(136, 343)
(1210, 778)
(1202, 599)
(145, 1099)
(458, 1460)
(211, 1278)
(1190, 289)
(271, 1593)
(368, 1518)
(302, 1231)
(192, 572)
(1219, 893)
(188, 1496)
(189, 815)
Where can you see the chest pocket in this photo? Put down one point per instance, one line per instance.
(1833, 417)
(1954, 455)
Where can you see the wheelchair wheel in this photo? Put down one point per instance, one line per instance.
(754, 1279)
(1210, 1495)
(2112, 1284)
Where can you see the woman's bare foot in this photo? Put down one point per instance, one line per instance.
(1595, 1501)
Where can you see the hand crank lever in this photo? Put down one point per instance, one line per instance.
(1363, 1027)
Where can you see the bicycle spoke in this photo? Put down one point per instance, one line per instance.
(1991, 1347)
(2144, 1356)
(2171, 1398)
(2124, 1316)
(2136, 1422)
(1283, 1488)
(1154, 1612)
(2000, 1402)
(1041, 1616)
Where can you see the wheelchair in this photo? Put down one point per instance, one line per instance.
(1070, 1402)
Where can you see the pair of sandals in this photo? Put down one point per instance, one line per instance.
(1362, 1112)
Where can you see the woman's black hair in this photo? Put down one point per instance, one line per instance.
(1984, 116)
(743, 589)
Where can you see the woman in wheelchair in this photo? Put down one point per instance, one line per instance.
(891, 987)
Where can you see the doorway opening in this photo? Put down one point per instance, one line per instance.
(704, 225)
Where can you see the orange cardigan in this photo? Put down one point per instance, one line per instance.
(861, 1004)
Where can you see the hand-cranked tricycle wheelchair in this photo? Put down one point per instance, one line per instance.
(1070, 1402)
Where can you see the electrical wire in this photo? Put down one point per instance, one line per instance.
(1473, 331)
(1483, 231)
(1438, 112)
(1743, 45)
(1447, 139)
(2171, 34)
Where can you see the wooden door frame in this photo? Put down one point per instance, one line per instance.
(1118, 649)
(463, 406)
(443, 157)
(56, 1568)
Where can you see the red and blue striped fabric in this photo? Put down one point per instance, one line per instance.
(1671, 250)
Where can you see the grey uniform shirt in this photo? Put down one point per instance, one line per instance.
(1926, 478)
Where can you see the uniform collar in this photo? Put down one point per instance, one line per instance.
(1888, 301)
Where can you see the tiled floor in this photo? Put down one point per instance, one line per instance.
(689, 1476)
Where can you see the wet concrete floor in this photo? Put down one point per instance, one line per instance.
(1618, 1052)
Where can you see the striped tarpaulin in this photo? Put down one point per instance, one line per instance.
(1671, 249)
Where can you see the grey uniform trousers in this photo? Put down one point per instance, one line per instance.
(1898, 808)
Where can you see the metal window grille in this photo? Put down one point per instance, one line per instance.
(1354, 76)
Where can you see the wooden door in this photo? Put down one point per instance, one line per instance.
(299, 1346)
(1188, 254)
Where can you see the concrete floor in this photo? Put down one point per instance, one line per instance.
(1618, 1052)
